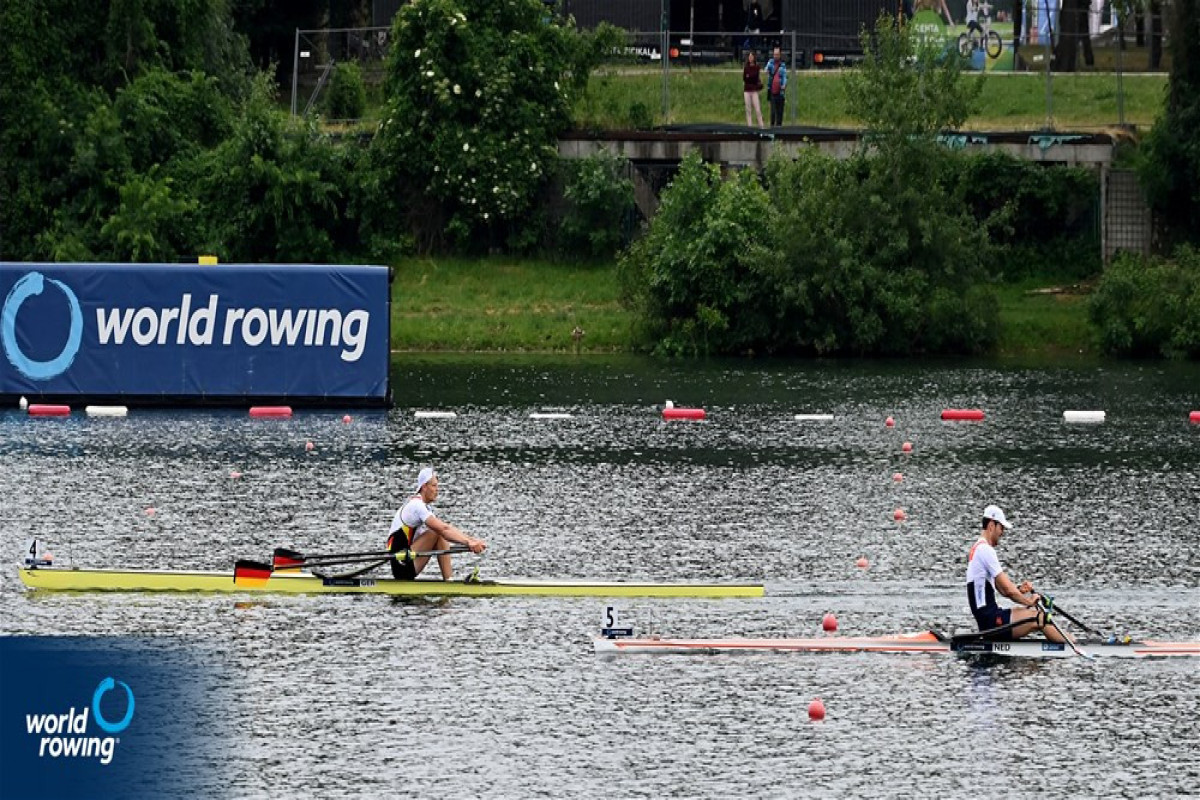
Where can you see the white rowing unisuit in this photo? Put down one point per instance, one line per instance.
(412, 514)
(983, 565)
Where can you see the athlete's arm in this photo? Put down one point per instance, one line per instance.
(453, 534)
(1013, 592)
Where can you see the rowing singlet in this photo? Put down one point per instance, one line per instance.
(410, 522)
(983, 565)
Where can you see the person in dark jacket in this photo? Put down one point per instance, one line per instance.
(776, 87)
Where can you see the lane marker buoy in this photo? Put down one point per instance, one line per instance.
(1083, 416)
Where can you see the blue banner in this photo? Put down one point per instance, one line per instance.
(110, 717)
(208, 333)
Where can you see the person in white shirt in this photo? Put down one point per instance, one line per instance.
(416, 528)
(985, 576)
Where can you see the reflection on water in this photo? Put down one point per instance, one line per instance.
(502, 696)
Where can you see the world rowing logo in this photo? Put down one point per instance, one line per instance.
(28, 286)
(66, 735)
(112, 727)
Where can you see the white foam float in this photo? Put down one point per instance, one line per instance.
(813, 417)
(106, 411)
(434, 414)
(1083, 416)
(549, 415)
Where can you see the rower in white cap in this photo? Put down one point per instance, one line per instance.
(416, 528)
(985, 576)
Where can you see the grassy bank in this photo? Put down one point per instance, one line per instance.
(1012, 101)
(507, 305)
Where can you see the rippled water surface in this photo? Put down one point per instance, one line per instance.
(503, 698)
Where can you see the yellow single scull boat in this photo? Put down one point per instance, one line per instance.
(295, 582)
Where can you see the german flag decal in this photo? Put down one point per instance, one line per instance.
(251, 574)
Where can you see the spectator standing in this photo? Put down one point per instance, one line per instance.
(776, 87)
(751, 86)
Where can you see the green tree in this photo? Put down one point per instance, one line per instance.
(1170, 170)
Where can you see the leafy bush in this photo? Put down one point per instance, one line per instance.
(269, 192)
(347, 94)
(477, 93)
(164, 115)
(1149, 306)
(598, 201)
(1043, 216)
(701, 274)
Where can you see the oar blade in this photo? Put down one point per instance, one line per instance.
(251, 574)
(287, 559)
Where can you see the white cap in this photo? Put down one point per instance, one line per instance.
(426, 475)
(994, 513)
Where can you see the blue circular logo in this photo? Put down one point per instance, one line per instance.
(28, 286)
(112, 727)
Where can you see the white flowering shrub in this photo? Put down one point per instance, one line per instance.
(477, 92)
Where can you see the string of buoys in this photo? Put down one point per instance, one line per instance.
(669, 412)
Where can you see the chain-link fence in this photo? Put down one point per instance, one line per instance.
(1054, 38)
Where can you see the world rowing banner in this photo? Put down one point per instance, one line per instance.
(109, 717)
(180, 332)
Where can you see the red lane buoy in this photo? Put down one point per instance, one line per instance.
(308, 446)
(270, 412)
(897, 477)
(862, 563)
(969, 414)
(829, 623)
(346, 419)
(906, 447)
(899, 515)
(1194, 417)
(683, 413)
(816, 709)
(889, 422)
(46, 410)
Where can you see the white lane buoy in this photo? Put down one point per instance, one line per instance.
(434, 414)
(22, 403)
(813, 417)
(106, 411)
(549, 415)
(1083, 416)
